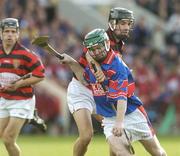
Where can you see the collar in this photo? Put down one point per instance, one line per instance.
(17, 46)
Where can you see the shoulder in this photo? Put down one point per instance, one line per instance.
(84, 50)
(25, 51)
(1, 47)
(117, 62)
(118, 65)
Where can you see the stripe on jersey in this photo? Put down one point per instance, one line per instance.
(141, 108)
(20, 62)
(110, 73)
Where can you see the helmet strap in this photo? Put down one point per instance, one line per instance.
(107, 45)
(112, 24)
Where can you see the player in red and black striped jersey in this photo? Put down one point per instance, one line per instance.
(17, 101)
(84, 107)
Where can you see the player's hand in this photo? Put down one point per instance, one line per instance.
(1, 88)
(66, 60)
(10, 87)
(117, 129)
(100, 77)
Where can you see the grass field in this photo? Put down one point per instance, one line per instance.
(62, 146)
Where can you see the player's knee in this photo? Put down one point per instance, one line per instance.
(86, 138)
(120, 153)
(1, 133)
(86, 134)
(159, 152)
(8, 139)
(163, 152)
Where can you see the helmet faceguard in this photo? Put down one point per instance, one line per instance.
(10, 23)
(117, 14)
(98, 44)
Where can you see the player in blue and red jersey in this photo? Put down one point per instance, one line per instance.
(124, 118)
(115, 99)
(82, 108)
(17, 101)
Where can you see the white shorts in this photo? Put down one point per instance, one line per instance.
(136, 125)
(79, 97)
(17, 108)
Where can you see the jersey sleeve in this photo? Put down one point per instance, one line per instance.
(35, 66)
(82, 60)
(118, 83)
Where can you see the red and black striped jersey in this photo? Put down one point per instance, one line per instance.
(16, 64)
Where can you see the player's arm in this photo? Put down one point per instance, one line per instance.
(36, 69)
(118, 92)
(29, 81)
(121, 110)
(22, 83)
(75, 67)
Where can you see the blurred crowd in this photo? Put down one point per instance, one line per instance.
(153, 54)
(162, 8)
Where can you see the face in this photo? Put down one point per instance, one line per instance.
(122, 28)
(9, 36)
(98, 52)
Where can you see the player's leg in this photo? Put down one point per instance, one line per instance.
(99, 118)
(153, 147)
(3, 124)
(119, 146)
(4, 117)
(83, 121)
(10, 135)
(111, 153)
(18, 112)
(140, 128)
(81, 105)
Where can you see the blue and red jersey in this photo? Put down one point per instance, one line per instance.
(119, 83)
(16, 64)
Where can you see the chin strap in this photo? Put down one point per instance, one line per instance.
(112, 24)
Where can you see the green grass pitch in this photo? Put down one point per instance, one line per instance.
(62, 146)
